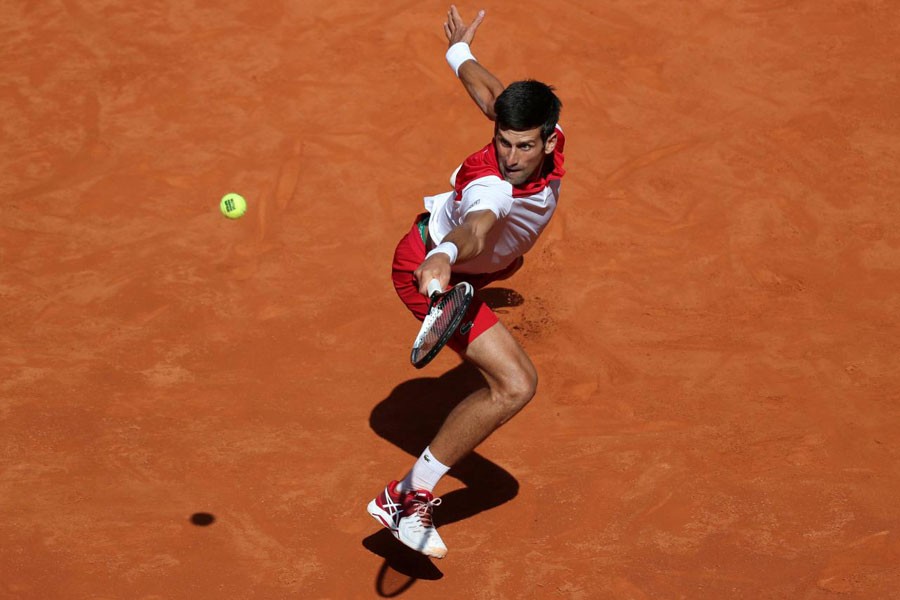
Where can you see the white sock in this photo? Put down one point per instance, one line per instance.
(425, 474)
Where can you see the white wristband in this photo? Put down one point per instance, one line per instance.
(457, 55)
(448, 248)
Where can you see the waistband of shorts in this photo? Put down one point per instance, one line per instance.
(422, 225)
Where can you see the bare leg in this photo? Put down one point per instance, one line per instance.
(512, 381)
(406, 507)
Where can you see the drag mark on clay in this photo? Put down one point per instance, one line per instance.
(645, 160)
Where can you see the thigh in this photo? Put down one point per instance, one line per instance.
(499, 356)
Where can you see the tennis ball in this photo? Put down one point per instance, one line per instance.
(233, 206)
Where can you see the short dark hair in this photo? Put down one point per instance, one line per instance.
(526, 105)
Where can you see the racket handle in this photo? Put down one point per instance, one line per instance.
(434, 287)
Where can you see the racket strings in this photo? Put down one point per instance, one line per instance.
(442, 317)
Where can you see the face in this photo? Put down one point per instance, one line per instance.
(521, 153)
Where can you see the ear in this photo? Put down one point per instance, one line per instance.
(550, 144)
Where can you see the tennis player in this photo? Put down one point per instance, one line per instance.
(503, 197)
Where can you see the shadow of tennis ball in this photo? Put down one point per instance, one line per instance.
(202, 519)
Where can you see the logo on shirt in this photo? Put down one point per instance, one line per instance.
(465, 328)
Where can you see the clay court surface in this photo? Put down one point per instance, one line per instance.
(713, 311)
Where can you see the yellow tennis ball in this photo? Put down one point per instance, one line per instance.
(233, 205)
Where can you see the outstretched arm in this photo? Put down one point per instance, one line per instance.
(468, 237)
(481, 84)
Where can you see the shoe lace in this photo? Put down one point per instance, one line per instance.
(423, 510)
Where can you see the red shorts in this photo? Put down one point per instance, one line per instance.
(410, 253)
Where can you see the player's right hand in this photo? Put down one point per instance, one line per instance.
(436, 267)
(457, 31)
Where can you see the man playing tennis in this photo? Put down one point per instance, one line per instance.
(504, 195)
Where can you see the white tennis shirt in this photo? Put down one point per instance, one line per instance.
(522, 212)
(520, 220)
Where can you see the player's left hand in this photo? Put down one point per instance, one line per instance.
(457, 31)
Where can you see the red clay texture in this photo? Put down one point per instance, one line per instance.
(193, 407)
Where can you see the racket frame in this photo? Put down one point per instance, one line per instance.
(436, 295)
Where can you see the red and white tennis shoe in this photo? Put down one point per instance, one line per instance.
(408, 516)
(385, 508)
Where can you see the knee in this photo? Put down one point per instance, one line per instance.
(516, 390)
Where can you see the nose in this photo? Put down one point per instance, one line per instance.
(512, 158)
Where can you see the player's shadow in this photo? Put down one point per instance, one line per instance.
(409, 418)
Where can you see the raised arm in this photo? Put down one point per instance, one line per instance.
(483, 87)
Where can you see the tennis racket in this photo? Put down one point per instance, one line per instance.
(445, 313)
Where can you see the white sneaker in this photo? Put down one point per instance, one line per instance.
(415, 527)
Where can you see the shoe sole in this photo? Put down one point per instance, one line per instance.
(433, 553)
